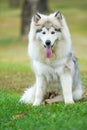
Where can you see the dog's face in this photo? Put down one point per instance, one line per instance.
(49, 30)
(48, 36)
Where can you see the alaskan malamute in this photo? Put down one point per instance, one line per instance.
(53, 61)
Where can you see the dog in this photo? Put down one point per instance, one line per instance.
(53, 60)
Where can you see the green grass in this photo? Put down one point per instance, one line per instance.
(16, 73)
(16, 116)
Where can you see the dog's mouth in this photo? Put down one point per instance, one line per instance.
(48, 51)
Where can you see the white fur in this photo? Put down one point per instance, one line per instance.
(56, 72)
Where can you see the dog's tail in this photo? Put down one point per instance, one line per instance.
(28, 96)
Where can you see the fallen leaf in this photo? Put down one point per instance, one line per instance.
(18, 116)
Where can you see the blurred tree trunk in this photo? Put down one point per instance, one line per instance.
(42, 6)
(26, 15)
(14, 3)
(29, 8)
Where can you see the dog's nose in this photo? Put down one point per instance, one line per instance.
(48, 43)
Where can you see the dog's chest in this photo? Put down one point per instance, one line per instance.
(50, 72)
(53, 82)
(52, 76)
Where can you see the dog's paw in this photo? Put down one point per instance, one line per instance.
(36, 103)
(69, 102)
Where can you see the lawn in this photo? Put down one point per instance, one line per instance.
(16, 73)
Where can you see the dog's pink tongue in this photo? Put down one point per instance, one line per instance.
(48, 51)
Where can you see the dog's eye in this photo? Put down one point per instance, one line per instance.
(58, 29)
(52, 32)
(43, 32)
(38, 30)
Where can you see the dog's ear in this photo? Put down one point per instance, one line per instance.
(58, 15)
(37, 17)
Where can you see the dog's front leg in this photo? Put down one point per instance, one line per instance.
(66, 82)
(40, 90)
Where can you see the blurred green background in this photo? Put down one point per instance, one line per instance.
(15, 68)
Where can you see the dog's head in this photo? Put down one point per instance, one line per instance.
(49, 30)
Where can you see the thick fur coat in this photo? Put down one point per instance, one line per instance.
(53, 61)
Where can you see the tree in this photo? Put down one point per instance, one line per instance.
(29, 8)
(42, 6)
